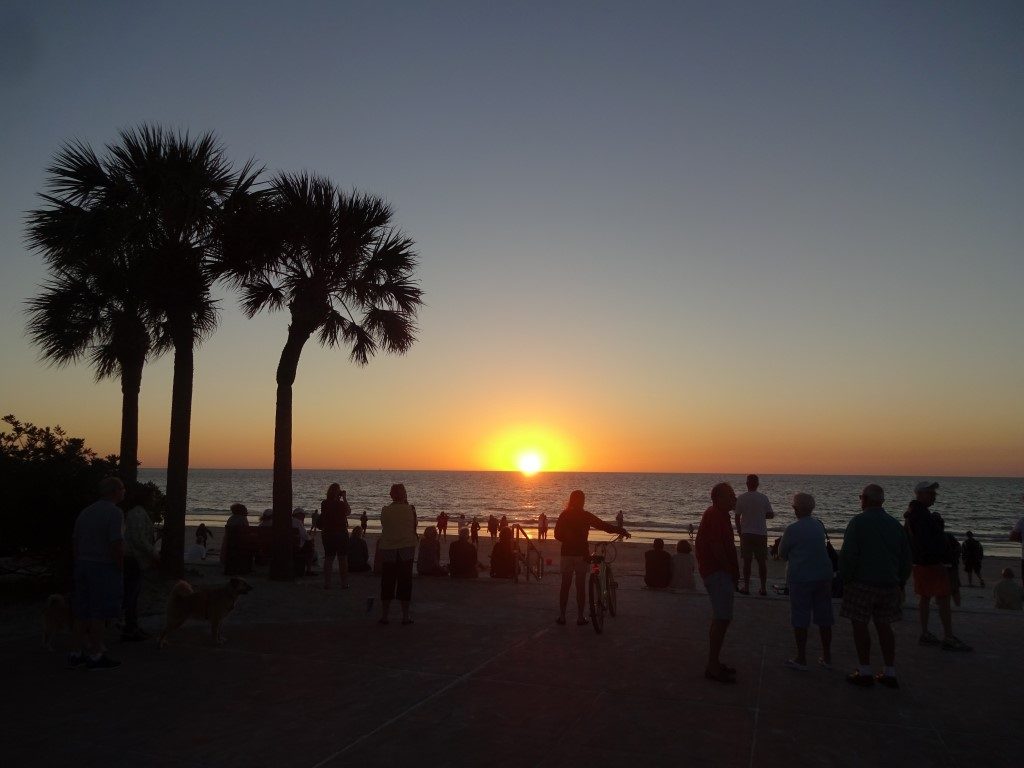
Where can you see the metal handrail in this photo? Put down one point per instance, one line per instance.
(537, 571)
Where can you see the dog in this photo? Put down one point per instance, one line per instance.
(211, 605)
(56, 619)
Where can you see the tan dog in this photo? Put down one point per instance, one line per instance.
(211, 605)
(56, 618)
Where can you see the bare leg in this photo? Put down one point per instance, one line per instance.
(922, 613)
(945, 615)
(405, 610)
(328, 567)
(385, 608)
(801, 644)
(580, 595)
(563, 591)
(887, 642)
(746, 573)
(343, 571)
(762, 571)
(716, 637)
(826, 644)
(862, 640)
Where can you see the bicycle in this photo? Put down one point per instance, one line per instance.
(602, 585)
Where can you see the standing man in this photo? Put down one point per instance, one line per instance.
(752, 510)
(99, 575)
(442, 524)
(874, 564)
(619, 519)
(928, 548)
(719, 568)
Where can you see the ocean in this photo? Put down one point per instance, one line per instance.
(653, 505)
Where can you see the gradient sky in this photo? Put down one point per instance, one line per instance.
(717, 236)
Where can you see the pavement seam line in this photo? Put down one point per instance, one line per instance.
(757, 707)
(462, 678)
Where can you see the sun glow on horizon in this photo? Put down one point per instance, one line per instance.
(530, 463)
(529, 450)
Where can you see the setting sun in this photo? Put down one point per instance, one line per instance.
(530, 463)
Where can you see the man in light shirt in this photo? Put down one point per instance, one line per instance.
(752, 511)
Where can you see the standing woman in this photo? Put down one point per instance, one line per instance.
(334, 511)
(397, 548)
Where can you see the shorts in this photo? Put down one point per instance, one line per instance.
(753, 545)
(335, 543)
(932, 581)
(722, 590)
(99, 591)
(864, 602)
(811, 599)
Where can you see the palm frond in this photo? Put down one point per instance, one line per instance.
(261, 294)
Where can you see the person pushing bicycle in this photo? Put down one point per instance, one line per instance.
(572, 529)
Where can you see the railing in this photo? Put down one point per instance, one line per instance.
(530, 556)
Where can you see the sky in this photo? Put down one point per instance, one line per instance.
(672, 237)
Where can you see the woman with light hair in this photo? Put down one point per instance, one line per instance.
(809, 575)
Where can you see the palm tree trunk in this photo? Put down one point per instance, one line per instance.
(281, 568)
(172, 551)
(131, 385)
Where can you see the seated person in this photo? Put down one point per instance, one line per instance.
(358, 552)
(462, 557)
(682, 566)
(267, 519)
(657, 566)
(503, 560)
(1008, 593)
(428, 560)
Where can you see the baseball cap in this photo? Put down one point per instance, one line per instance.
(925, 485)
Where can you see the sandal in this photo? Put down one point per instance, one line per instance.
(582, 620)
(721, 677)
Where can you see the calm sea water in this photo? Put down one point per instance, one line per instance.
(653, 504)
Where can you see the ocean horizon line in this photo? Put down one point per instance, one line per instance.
(601, 472)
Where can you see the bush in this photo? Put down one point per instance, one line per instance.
(48, 479)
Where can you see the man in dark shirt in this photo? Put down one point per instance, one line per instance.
(928, 548)
(572, 529)
(657, 566)
(720, 569)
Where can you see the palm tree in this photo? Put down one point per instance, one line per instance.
(344, 273)
(78, 315)
(158, 196)
(92, 305)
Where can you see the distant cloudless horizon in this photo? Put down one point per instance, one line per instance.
(654, 237)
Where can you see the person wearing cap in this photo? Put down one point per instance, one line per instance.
(753, 510)
(931, 557)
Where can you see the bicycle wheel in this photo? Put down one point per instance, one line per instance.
(596, 603)
(613, 604)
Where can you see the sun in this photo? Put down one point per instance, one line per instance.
(530, 462)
